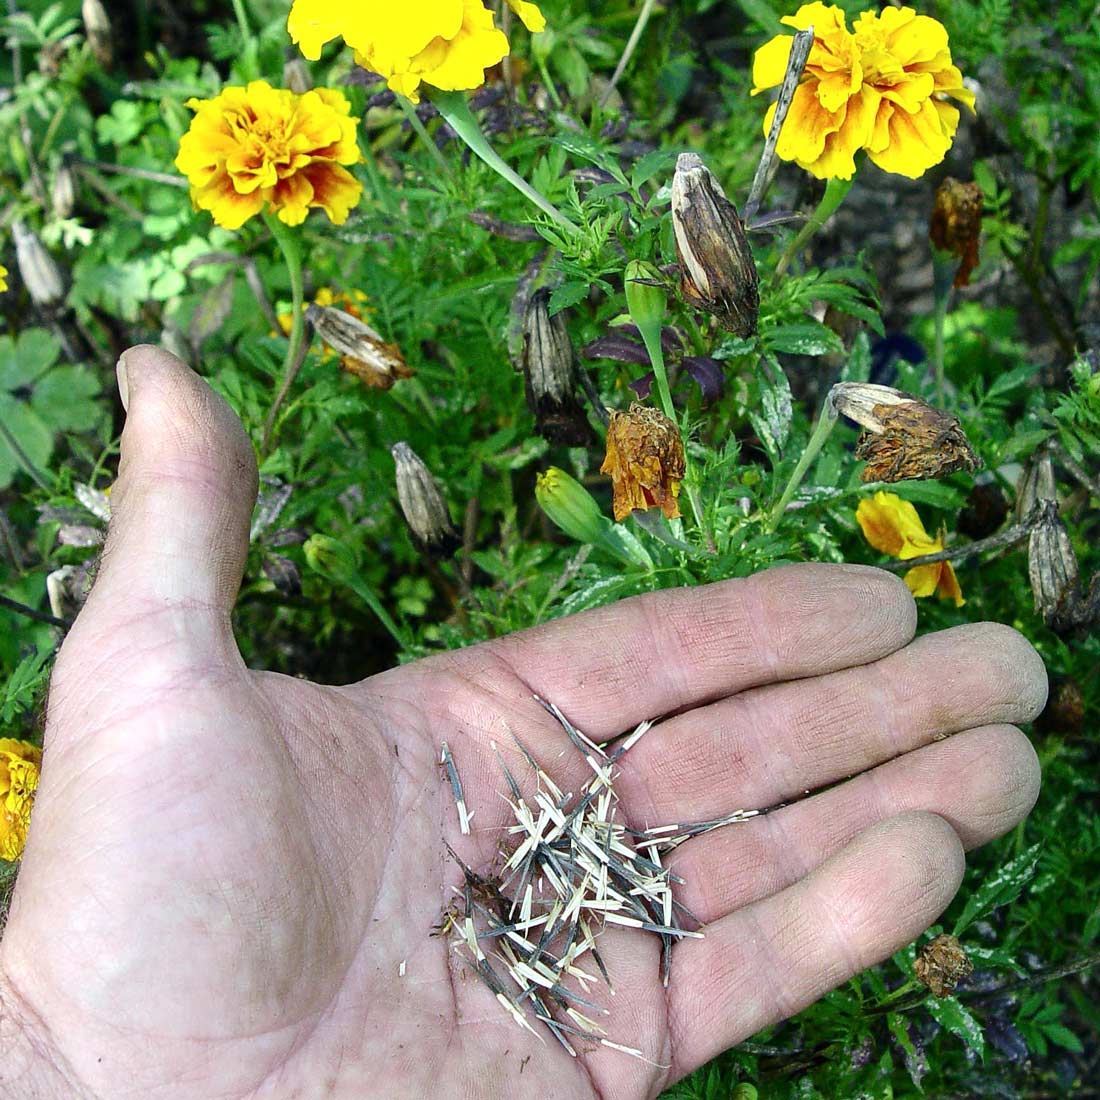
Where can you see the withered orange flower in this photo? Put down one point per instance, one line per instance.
(645, 458)
(957, 224)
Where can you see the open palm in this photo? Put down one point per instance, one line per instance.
(233, 878)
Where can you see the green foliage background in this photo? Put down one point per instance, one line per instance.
(141, 265)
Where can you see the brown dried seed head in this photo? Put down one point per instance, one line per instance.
(858, 401)
(1051, 564)
(63, 191)
(1036, 485)
(41, 275)
(942, 964)
(956, 225)
(422, 503)
(97, 26)
(645, 458)
(913, 440)
(717, 270)
(362, 351)
(549, 373)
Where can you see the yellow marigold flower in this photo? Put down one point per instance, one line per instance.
(256, 147)
(19, 764)
(892, 525)
(3, 278)
(882, 87)
(445, 43)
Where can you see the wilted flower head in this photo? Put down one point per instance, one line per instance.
(941, 964)
(19, 765)
(645, 458)
(892, 526)
(549, 374)
(97, 26)
(882, 87)
(362, 351)
(38, 269)
(1052, 567)
(905, 437)
(956, 225)
(256, 147)
(717, 271)
(422, 504)
(445, 43)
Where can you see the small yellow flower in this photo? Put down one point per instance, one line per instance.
(892, 525)
(19, 765)
(882, 87)
(445, 43)
(256, 147)
(3, 278)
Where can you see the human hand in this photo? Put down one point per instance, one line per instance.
(226, 868)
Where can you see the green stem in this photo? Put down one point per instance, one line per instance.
(371, 600)
(421, 132)
(943, 274)
(824, 425)
(628, 50)
(836, 190)
(288, 245)
(248, 56)
(24, 459)
(454, 107)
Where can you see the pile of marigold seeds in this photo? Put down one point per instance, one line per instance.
(570, 868)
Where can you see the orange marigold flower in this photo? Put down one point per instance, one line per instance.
(645, 458)
(892, 525)
(882, 87)
(261, 147)
(19, 765)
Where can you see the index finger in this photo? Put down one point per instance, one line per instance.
(663, 652)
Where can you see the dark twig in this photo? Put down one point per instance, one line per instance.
(30, 613)
(1075, 468)
(1009, 537)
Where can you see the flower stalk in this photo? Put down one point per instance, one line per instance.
(292, 363)
(455, 108)
(421, 132)
(836, 191)
(826, 421)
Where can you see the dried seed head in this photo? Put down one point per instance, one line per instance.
(645, 458)
(1051, 565)
(362, 351)
(956, 224)
(296, 76)
(63, 191)
(97, 26)
(423, 505)
(717, 271)
(941, 965)
(1036, 485)
(549, 374)
(905, 437)
(41, 275)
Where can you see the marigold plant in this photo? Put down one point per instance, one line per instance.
(19, 765)
(892, 525)
(882, 88)
(445, 43)
(258, 147)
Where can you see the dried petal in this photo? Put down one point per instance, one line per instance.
(915, 441)
(957, 224)
(941, 965)
(645, 458)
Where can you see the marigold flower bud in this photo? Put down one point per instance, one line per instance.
(717, 271)
(331, 558)
(645, 458)
(570, 505)
(362, 351)
(941, 964)
(956, 224)
(645, 297)
(1052, 567)
(905, 437)
(41, 275)
(97, 26)
(423, 505)
(20, 762)
(63, 191)
(549, 373)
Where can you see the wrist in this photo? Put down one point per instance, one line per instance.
(30, 1065)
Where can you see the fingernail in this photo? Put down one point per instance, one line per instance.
(123, 383)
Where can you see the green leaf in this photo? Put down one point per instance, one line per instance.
(1061, 1036)
(915, 1062)
(63, 399)
(999, 888)
(957, 1019)
(28, 358)
(31, 436)
(27, 681)
(808, 338)
(1011, 380)
(566, 295)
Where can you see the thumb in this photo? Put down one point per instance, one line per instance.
(181, 505)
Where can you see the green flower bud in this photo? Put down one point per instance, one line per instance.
(570, 505)
(331, 559)
(645, 295)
